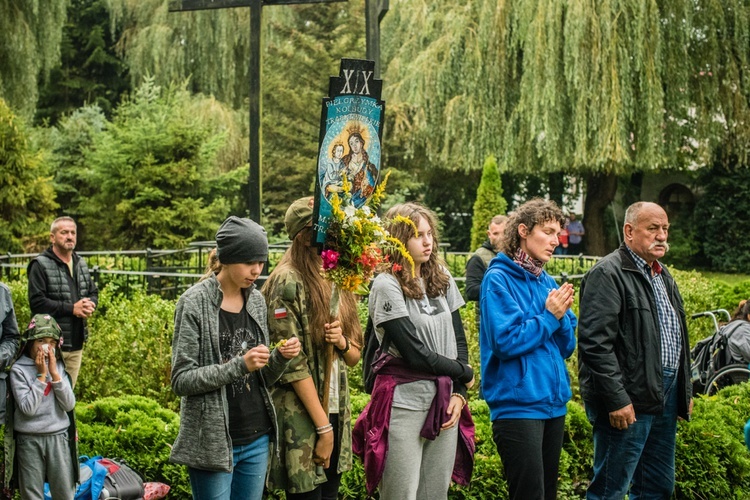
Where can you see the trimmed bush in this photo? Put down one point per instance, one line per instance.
(138, 430)
(129, 349)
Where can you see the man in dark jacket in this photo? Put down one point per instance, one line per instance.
(634, 361)
(60, 285)
(478, 263)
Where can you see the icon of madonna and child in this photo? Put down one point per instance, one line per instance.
(361, 173)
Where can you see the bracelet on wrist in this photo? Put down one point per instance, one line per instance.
(324, 429)
(463, 399)
(346, 347)
(40, 375)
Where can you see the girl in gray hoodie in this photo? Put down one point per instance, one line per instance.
(42, 397)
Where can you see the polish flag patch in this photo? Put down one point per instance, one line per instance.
(279, 313)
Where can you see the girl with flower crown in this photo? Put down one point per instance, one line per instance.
(418, 407)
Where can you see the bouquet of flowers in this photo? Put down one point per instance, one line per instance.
(354, 243)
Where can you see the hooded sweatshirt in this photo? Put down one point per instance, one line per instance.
(523, 346)
(40, 407)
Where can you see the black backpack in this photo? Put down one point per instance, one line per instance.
(370, 353)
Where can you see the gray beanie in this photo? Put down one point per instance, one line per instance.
(241, 240)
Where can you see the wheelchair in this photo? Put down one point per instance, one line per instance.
(712, 368)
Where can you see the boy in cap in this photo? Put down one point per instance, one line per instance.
(42, 397)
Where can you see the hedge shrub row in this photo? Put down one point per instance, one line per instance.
(126, 408)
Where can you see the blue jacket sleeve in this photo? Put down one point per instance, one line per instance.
(505, 327)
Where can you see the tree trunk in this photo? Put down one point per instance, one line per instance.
(557, 187)
(600, 191)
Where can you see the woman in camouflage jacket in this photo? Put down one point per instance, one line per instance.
(312, 397)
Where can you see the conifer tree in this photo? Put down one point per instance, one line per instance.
(27, 199)
(489, 202)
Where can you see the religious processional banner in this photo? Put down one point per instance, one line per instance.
(351, 130)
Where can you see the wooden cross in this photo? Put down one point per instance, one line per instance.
(376, 9)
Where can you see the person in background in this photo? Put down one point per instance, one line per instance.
(737, 332)
(40, 430)
(527, 332)
(222, 367)
(312, 397)
(575, 235)
(8, 342)
(60, 285)
(634, 361)
(478, 263)
(416, 433)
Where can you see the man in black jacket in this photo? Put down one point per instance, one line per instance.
(478, 263)
(60, 285)
(634, 361)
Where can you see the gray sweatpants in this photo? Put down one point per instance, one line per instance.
(43, 456)
(417, 468)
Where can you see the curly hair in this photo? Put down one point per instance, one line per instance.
(436, 280)
(533, 212)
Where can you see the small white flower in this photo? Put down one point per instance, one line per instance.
(349, 211)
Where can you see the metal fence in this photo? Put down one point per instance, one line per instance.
(168, 273)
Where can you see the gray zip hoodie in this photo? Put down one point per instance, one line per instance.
(37, 412)
(200, 377)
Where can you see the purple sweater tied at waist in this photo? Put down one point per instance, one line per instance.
(370, 434)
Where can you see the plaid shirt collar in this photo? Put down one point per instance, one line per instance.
(643, 265)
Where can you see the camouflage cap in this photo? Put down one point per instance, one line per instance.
(298, 215)
(42, 326)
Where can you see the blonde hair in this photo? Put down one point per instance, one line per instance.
(436, 280)
(213, 266)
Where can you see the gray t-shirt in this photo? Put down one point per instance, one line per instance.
(432, 320)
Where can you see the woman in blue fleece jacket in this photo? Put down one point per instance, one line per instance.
(527, 332)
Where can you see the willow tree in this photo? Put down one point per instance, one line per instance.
(302, 46)
(30, 34)
(594, 89)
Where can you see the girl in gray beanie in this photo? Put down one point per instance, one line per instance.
(222, 368)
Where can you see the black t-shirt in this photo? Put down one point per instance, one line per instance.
(248, 415)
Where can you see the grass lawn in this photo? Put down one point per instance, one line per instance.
(729, 279)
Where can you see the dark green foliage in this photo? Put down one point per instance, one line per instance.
(138, 430)
(68, 144)
(304, 46)
(27, 200)
(129, 349)
(154, 167)
(19, 290)
(712, 461)
(90, 73)
(721, 216)
(450, 193)
(489, 202)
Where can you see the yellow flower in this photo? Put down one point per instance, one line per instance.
(400, 219)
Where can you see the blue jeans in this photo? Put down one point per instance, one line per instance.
(639, 458)
(245, 482)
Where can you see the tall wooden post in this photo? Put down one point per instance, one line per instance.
(255, 187)
(376, 9)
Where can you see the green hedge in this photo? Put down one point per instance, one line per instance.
(129, 353)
